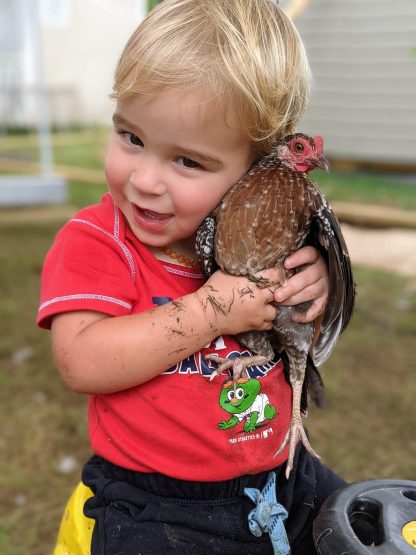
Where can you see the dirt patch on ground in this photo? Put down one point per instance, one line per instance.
(392, 250)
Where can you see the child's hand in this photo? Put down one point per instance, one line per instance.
(309, 284)
(234, 304)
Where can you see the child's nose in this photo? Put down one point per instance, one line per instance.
(148, 177)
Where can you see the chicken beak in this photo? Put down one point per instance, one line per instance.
(322, 163)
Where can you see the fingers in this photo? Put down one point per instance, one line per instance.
(305, 255)
(315, 311)
(270, 314)
(300, 289)
(309, 284)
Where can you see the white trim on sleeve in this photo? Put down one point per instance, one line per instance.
(90, 296)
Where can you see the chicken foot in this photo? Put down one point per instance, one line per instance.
(238, 364)
(296, 430)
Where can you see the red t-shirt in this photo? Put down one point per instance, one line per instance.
(179, 424)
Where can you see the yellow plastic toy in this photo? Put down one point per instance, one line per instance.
(75, 531)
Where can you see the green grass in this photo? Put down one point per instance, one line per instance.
(40, 421)
(367, 188)
(151, 4)
(83, 194)
(366, 431)
(83, 149)
(88, 153)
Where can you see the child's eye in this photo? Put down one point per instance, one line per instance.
(187, 162)
(132, 138)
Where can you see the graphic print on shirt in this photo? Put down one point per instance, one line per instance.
(249, 409)
(245, 403)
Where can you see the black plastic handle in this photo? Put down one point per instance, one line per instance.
(367, 518)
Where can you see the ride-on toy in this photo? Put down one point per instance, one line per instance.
(75, 531)
(377, 517)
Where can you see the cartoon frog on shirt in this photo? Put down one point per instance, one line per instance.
(245, 403)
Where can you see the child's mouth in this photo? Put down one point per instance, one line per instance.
(155, 216)
(149, 219)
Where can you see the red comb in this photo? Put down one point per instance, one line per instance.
(319, 143)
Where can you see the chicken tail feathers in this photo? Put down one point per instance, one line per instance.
(314, 384)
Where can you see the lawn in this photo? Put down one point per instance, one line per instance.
(366, 430)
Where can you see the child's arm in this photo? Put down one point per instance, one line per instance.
(99, 354)
(96, 353)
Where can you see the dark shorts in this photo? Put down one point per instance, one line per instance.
(152, 514)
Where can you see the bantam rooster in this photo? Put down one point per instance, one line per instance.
(268, 214)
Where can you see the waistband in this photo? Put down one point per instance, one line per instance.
(166, 486)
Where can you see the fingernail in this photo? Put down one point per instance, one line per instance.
(278, 295)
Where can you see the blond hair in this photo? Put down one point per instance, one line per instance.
(247, 52)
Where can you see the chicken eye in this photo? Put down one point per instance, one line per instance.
(299, 147)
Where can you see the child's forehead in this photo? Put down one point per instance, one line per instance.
(198, 105)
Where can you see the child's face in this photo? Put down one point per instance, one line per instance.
(170, 160)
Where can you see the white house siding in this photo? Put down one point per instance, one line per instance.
(363, 59)
(15, 73)
(80, 42)
(80, 57)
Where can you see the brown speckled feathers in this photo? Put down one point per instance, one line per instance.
(269, 213)
(258, 226)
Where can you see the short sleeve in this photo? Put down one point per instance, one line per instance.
(87, 268)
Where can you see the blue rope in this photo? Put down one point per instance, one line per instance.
(268, 515)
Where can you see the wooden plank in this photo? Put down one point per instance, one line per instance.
(368, 215)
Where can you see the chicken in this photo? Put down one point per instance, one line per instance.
(272, 211)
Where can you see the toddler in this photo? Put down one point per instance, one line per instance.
(202, 89)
